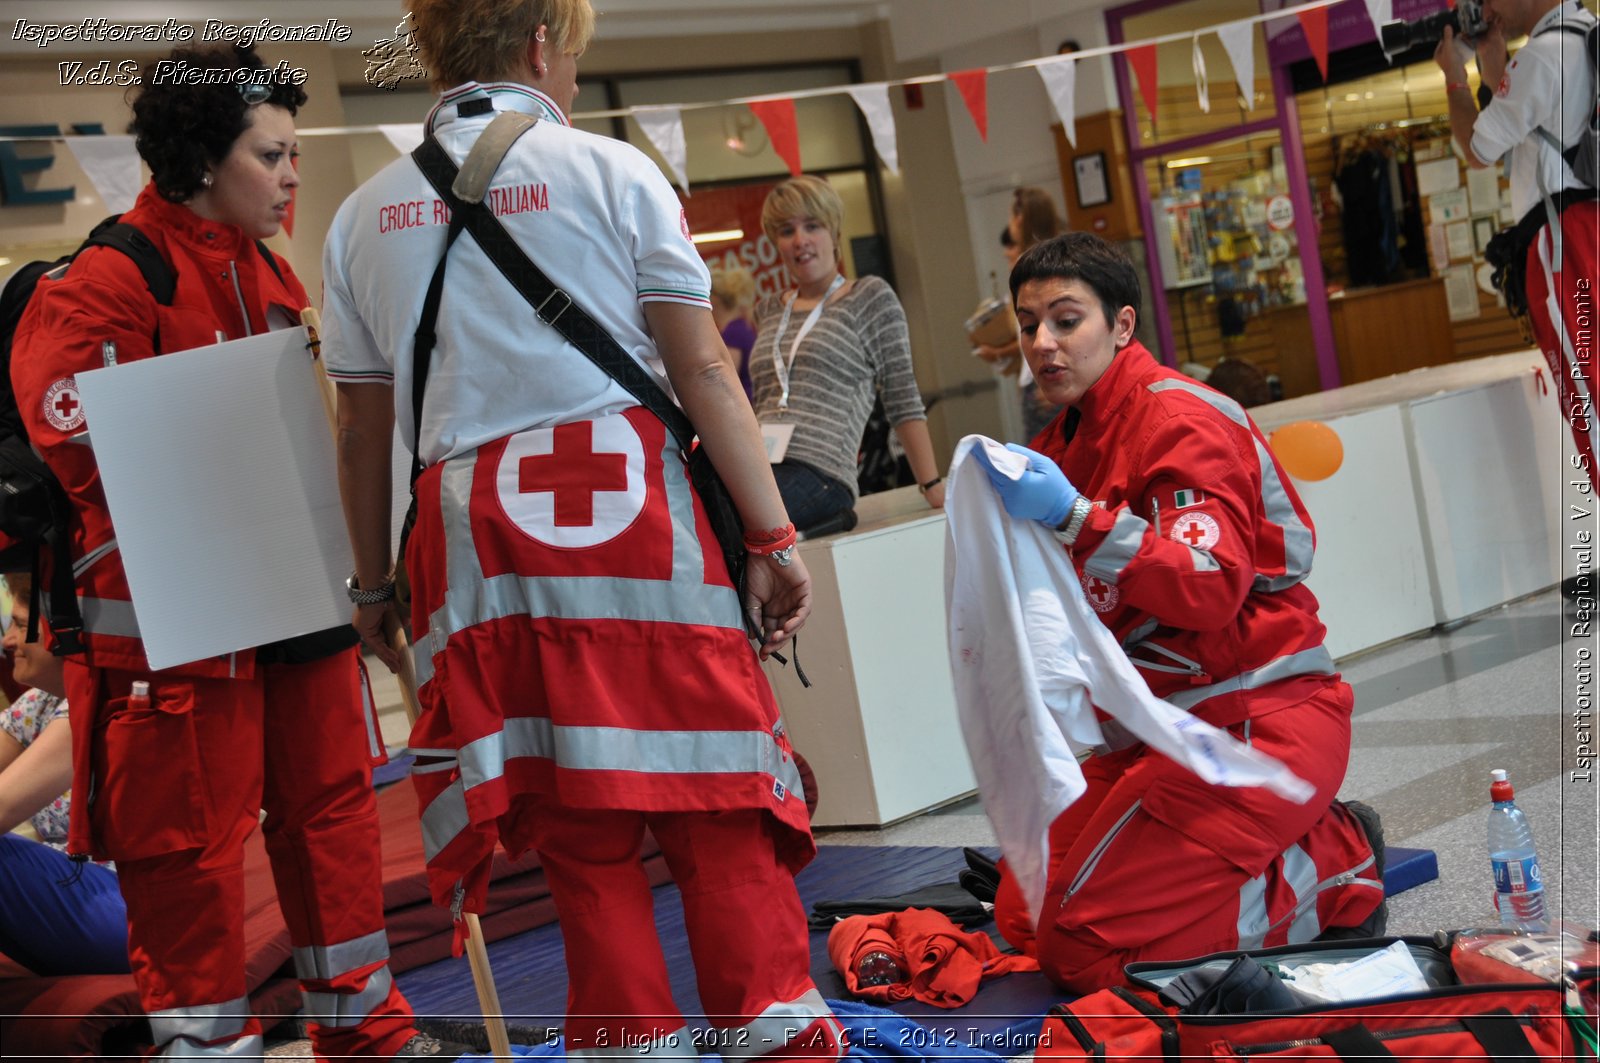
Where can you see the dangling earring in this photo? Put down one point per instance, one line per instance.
(543, 70)
(539, 37)
(205, 179)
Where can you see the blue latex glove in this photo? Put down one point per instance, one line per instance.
(1043, 493)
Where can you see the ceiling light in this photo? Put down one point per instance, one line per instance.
(720, 236)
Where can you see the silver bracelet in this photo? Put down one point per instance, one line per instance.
(1068, 531)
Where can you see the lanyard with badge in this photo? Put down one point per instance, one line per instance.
(777, 435)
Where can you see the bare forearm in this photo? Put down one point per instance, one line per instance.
(39, 775)
(1463, 116)
(918, 446)
(365, 435)
(709, 390)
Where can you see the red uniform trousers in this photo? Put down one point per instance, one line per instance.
(180, 786)
(745, 924)
(1152, 863)
(1561, 307)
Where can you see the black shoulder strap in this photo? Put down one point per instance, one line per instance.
(553, 306)
(158, 275)
(271, 260)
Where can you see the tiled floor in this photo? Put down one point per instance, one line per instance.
(1433, 715)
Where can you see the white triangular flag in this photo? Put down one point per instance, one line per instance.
(1380, 11)
(1239, 41)
(874, 103)
(1202, 86)
(1060, 81)
(664, 127)
(112, 165)
(404, 138)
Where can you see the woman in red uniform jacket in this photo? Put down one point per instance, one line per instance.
(1191, 544)
(170, 788)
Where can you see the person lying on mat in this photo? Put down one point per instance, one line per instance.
(563, 570)
(1192, 546)
(56, 917)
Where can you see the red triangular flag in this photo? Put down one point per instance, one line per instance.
(1143, 61)
(1315, 23)
(777, 116)
(974, 88)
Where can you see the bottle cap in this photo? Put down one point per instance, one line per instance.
(1499, 787)
(141, 689)
(1498, 775)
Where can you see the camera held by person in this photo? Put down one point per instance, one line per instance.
(1466, 19)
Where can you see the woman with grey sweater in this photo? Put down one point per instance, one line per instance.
(824, 350)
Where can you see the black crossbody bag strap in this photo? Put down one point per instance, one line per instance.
(552, 305)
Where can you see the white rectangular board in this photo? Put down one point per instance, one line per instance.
(218, 467)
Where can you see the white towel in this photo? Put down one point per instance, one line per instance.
(1030, 660)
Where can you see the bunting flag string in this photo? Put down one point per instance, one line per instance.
(782, 129)
(1379, 12)
(1202, 86)
(1238, 40)
(110, 159)
(112, 165)
(1315, 23)
(663, 127)
(973, 85)
(875, 108)
(1145, 70)
(1060, 81)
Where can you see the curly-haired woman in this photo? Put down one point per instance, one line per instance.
(171, 766)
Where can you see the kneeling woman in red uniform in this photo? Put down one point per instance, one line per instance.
(169, 783)
(1192, 546)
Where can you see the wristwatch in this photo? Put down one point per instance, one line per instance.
(375, 596)
(784, 557)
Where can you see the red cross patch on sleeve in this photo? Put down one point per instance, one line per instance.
(1198, 530)
(62, 406)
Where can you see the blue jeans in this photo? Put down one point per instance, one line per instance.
(808, 495)
(58, 917)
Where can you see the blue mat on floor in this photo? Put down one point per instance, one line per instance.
(530, 968)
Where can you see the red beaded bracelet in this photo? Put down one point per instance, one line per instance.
(770, 542)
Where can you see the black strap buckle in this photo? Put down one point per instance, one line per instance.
(551, 320)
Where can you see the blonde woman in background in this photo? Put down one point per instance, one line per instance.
(733, 296)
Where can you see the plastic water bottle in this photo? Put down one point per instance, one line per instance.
(879, 968)
(1518, 885)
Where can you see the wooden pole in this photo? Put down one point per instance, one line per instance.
(477, 950)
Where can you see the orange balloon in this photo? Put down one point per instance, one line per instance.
(1307, 450)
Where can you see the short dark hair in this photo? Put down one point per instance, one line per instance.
(181, 130)
(1081, 257)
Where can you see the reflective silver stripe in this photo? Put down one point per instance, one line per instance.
(1315, 661)
(678, 1044)
(348, 1009)
(325, 962)
(1253, 924)
(1297, 545)
(108, 616)
(775, 1028)
(1182, 665)
(83, 563)
(625, 749)
(1140, 633)
(369, 711)
(1099, 850)
(1301, 874)
(471, 599)
(201, 1022)
(444, 820)
(1118, 548)
(252, 1047)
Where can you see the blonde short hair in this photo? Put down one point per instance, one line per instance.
(804, 197)
(733, 287)
(485, 40)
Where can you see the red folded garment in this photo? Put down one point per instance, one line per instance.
(945, 964)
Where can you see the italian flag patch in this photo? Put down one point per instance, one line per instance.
(1187, 497)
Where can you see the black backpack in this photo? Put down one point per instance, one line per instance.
(34, 508)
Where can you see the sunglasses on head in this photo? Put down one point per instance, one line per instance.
(255, 92)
